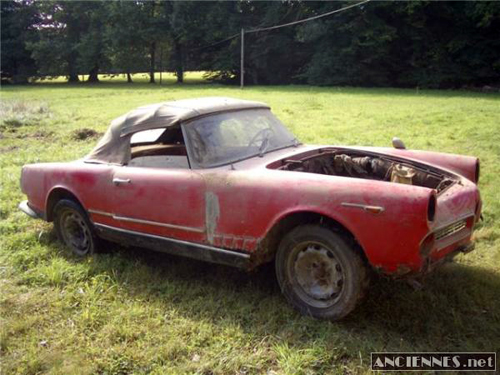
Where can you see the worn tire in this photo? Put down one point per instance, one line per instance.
(74, 228)
(320, 273)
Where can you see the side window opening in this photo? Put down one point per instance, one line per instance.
(159, 148)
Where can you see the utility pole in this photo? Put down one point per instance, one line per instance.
(242, 61)
(161, 61)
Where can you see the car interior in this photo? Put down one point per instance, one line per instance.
(159, 148)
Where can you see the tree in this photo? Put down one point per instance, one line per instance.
(59, 32)
(155, 27)
(404, 44)
(91, 49)
(126, 47)
(271, 57)
(274, 56)
(221, 61)
(70, 38)
(18, 18)
(408, 44)
(185, 28)
(351, 47)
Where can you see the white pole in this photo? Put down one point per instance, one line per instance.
(242, 61)
(161, 61)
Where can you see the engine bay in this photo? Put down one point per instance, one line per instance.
(368, 166)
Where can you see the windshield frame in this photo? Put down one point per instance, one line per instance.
(294, 142)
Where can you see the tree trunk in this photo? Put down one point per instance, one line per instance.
(152, 63)
(72, 72)
(93, 77)
(129, 78)
(179, 64)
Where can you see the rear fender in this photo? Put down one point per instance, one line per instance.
(33, 185)
(56, 194)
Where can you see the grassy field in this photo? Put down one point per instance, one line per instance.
(134, 311)
(165, 78)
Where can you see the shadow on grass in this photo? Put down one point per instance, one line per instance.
(458, 309)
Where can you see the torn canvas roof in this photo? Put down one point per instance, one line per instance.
(114, 146)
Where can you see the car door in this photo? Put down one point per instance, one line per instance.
(160, 201)
(157, 193)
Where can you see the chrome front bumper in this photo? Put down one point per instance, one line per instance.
(25, 207)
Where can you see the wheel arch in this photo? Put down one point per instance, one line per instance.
(290, 220)
(55, 195)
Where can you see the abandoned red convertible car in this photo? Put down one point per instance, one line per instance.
(223, 180)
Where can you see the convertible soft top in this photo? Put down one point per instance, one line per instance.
(114, 145)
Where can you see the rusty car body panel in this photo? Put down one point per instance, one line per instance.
(231, 211)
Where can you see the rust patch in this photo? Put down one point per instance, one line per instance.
(229, 241)
(212, 214)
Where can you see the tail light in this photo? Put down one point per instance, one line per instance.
(21, 180)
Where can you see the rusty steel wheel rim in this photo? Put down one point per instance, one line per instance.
(318, 274)
(75, 232)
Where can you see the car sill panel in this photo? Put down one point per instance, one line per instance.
(174, 246)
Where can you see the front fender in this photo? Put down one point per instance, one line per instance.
(390, 234)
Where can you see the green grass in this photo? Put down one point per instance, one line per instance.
(165, 77)
(135, 311)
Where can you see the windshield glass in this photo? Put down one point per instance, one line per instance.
(231, 136)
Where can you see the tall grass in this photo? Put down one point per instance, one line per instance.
(16, 113)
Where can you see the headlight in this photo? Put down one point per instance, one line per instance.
(477, 171)
(431, 208)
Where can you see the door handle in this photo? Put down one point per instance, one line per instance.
(118, 181)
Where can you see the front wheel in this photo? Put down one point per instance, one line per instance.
(319, 273)
(73, 228)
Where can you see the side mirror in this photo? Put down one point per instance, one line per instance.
(398, 143)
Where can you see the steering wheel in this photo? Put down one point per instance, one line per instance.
(261, 136)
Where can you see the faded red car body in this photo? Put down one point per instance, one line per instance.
(237, 213)
(222, 180)
(236, 207)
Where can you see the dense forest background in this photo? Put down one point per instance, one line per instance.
(381, 43)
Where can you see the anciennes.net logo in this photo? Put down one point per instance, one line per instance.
(436, 361)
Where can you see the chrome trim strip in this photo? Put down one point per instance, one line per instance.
(100, 213)
(181, 242)
(173, 226)
(364, 207)
(140, 221)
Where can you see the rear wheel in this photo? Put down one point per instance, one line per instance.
(74, 228)
(319, 273)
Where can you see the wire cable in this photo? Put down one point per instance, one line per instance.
(216, 43)
(306, 19)
(280, 26)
